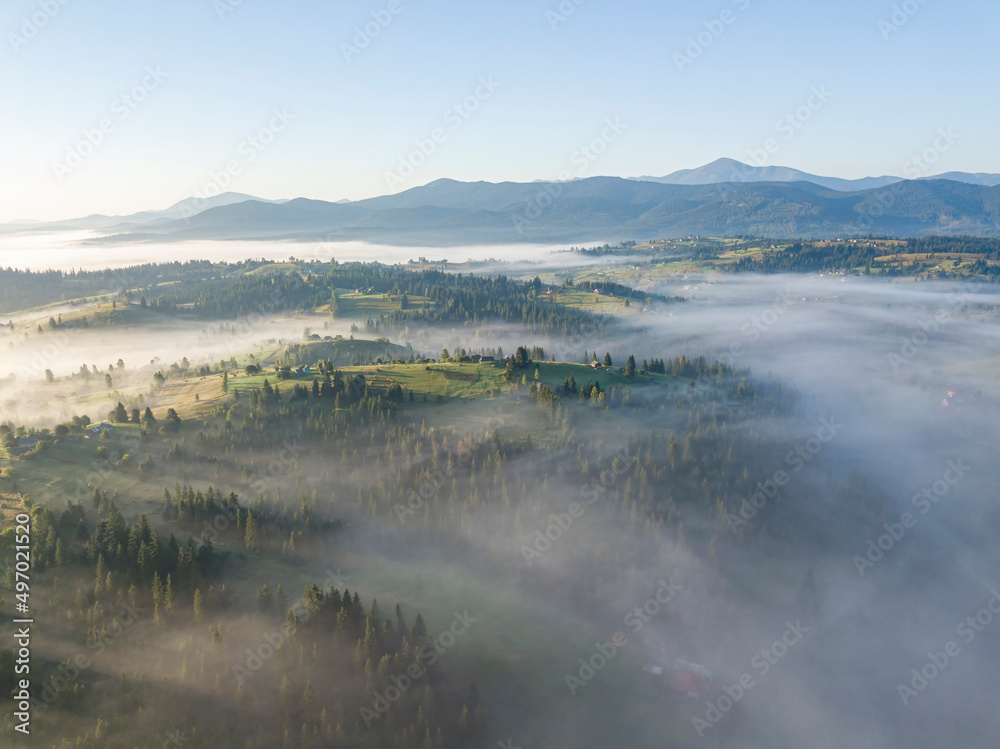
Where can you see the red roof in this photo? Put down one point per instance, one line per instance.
(688, 681)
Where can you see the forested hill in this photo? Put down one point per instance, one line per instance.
(451, 212)
(228, 291)
(935, 256)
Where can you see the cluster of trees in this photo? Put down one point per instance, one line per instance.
(344, 390)
(136, 587)
(987, 247)
(24, 288)
(521, 359)
(809, 257)
(121, 415)
(606, 249)
(653, 366)
(622, 291)
(451, 297)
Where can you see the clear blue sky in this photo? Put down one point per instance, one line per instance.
(229, 67)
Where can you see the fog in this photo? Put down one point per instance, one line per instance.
(84, 250)
(888, 400)
(908, 375)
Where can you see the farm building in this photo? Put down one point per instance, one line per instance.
(690, 679)
(23, 445)
(96, 430)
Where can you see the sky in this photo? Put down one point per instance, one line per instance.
(116, 107)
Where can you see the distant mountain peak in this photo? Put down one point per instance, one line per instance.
(731, 170)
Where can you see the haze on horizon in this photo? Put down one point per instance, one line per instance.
(183, 93)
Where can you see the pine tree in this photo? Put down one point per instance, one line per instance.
(630, 366)
(250, 537)
(198, 605)
(225, 381)
(419, 630)
(400, 622)
(168, 597)
(157, 596)
(100, 573)
(264, 599)
(308, 696)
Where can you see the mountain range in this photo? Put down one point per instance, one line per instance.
(730, 170)
(766, 201)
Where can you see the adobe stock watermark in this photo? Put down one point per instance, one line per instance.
(922, 502)
(285, 458)
(31, 26)
(878, 203)
(249, 149)
(68, 672)
(224, 7)
(581, 158)
(635, 620)
(272, 641)
(172, 738)
(911, 346)
(429, 654)
(796, 460)
(761, 663)
(788, 125)
(454, 117)
(900, 16)
(85, 484)
(43, 357)
(937, 662)
(121, 107)
(562, 522)
(756, 326)
(433, 483)
(714, 28)
(370, 30)
(562, 13)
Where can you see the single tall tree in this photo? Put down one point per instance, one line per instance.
(250, 537)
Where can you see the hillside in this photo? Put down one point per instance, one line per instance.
(450, 212)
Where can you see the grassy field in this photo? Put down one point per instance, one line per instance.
(358, 305)
(339, 353)
(98, 315)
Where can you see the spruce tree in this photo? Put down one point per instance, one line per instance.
(250, 537)
(157, 596)
(168, 597)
